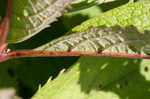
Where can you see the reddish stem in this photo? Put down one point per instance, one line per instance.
(3, 52)
(3, 48)
(5, 23)
(33, 53)
(4, 28)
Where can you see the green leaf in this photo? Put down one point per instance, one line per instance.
(73, 19)
(106, 77)
(89, 40)
(104, 41)
(83, 4)
(31, 16)
(30, 72)
(136, 14)
(100, 78)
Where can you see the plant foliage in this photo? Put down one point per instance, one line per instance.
(96, 28)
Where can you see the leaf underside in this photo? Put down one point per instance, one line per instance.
(31, 16)
(103, 39)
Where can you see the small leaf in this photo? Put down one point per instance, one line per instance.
(103, 40)
(31, 16)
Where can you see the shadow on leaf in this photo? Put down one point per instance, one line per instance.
(118, 78)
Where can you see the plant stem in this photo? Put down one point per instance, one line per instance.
(5, 23)
(35, 53)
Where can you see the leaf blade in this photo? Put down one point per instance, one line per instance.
(129, 14)
(32, 16)
(102, 40)
(99, 77)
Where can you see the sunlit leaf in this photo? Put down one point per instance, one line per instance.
(136, 14)
(100, 78)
